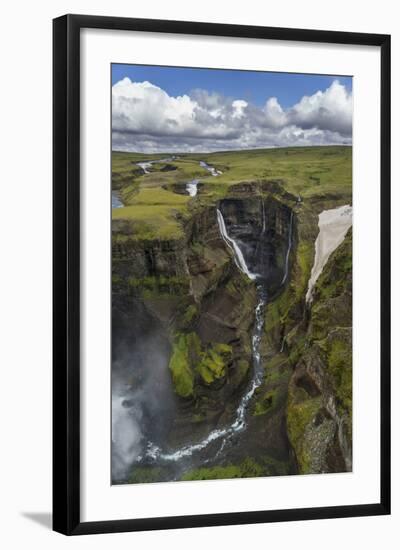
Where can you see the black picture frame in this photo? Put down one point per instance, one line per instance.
(66, 273)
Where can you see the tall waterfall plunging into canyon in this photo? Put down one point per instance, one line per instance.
(233, 246)
(157, 428)
(155, 453)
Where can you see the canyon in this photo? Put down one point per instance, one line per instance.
(221, 367)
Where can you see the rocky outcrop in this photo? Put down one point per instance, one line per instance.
(320, 391)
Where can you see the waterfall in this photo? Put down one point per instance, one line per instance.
(233, 246)
(239, 423)
(145, 166)
(259, 243)
(224, 435)
(263, 216)
(191, 187)
(213, 171)
(290, 238)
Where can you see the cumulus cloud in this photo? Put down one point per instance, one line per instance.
(146, 118)
(330, 110)
(239, 105)
(275, 116)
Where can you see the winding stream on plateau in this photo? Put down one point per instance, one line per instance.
(191, 186)
(146, 164)
(116, 201)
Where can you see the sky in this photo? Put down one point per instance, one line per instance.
(171, 109)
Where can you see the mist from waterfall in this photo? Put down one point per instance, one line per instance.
(142, 400)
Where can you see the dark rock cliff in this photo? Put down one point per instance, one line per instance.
(262, 227)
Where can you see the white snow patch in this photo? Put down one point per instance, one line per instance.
(333, 226)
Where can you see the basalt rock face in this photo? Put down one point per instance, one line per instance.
(153, 258)
(263, 229)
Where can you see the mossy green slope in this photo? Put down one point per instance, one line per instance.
(190, 362)
(319, 413)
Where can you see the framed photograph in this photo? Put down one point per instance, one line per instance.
(221, 274)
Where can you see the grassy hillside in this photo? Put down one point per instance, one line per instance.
(153, 201)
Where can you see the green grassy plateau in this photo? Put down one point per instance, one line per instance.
(157, 210)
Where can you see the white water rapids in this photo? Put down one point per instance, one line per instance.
(213, 171)
(239, 422)
(191, 186)
(146, 165)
